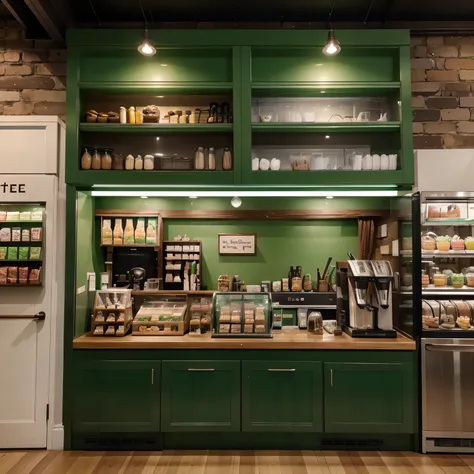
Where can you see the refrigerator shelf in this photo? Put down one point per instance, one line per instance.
(441, 254)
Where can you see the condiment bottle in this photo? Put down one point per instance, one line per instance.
(118, 232)
(129, 162)
(131, 115)
(86, 160)
(117, 161)
(138, 162)
(290, 277)
(123, 115)
(138, 117)
(149, 162)
(96, 160)
(106, 160)
(211, 159)
(307, 282)
(227, 159)
(199, 158)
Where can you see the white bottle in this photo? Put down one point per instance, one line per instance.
(212, 159)
(123, 115)
(138, 162)
(129, 162)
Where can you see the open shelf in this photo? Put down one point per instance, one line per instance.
(21, 261)
(323, 127)
(157, 127)
(440, 254)
(448, 222)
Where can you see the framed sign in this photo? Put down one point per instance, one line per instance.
(237, 244)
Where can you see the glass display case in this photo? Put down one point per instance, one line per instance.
(21, 244)
(242, 315)
(200, 308)
(112, 314)
(161, 318)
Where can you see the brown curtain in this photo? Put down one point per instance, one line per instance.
(366, 237)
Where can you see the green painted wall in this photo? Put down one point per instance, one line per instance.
(279, 245)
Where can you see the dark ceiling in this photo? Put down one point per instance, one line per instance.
(53, 17)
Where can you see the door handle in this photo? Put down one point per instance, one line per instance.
(282, 370)
(35, 317)
(449, 348)
(331, 378)
(152, 376)
(201, 370)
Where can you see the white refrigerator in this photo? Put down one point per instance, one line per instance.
(32, 228)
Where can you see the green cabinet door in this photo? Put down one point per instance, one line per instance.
(282, 396)
(369, 398)
(201, 396)
(117, 396)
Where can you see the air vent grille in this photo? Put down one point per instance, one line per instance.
(352, 443)
(454, 442)
(122, 443)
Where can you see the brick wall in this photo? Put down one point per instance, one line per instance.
(32, 74)
(442, 78)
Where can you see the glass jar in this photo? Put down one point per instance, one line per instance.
(428, 318)
(117, 162)
(96, 162)
(106, 159)
(448, 317)
(315, 323)
(86, 160)
(464, 317)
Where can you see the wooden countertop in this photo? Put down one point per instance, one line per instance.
(287, 338)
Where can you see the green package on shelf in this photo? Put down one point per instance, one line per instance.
(23, 253)
(12, 253)
(3, 253)
(35, 253)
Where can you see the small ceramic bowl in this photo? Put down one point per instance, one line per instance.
(266, 118)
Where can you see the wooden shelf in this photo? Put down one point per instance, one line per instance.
(152, 87)
(21, 261)
(133, 246)
(157, 128)
(22, 285)
(336, 127)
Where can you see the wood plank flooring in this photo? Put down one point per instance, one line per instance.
(232, 462)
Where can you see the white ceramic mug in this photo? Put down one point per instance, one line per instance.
(375, 162)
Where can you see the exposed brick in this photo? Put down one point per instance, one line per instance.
(418, 102)
(417, 127)
(43, 96)
(455, 114)
(426, 115)
(17, 44)
(12, 57)
(59, 82)
(459, 63)
(2, 70)
(18, 70)
(422, 63)
(13, 33)
(434, 41)
(427, 141)
(442, 76)
(458, 141)
(443, 52)
(420, 52)
(18, 108)
(47, 45)
(467, 51)
(455, 40)
(418, 40)
(28, 82)
(466, 75)
(441, 102)
(424, 88)
(50, 108)
(455, 89)
(1, 109)
(9, 96)
(440, 127)
(51, 69)
(472, 114)
(418, 75)
(58, 56)
(466, 127)
(466, 101)
(34, 56)
(439, 63)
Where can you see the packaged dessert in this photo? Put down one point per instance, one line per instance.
(25, 235)
(23, 275)
(3, 275)
(428, 242)
(464, 316)
(3, 215)
(3, 253)
(440, 279)
(151, 232)
(12, 253)
(235, 328)
(425, 279)
(5, 234)
(443, 243)
(469, 243)
(13, 216)
(25, 216)
(248, 328)
(453, 211)
(434, 212)
(35, 253)
(224, 328)
(457, 280)
(106, 232)
(259, 328)
(457, 243)
(99, 317)
(16, 234)
(37, 215)
(118, 232)
(23, 253)
(428, 318)
(36, 234)
(140, 234)
(34, 277)
(235, 319)
(128, 234)
(448, 315)
(12, 275)
(110, 331)
(99, 331)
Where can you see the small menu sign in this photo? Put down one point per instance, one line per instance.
(237, 244)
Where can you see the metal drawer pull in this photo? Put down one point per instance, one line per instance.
(152, 376)
(201, 370)
(449, 348)
(282, 370)
(331, 379)
(36, 317)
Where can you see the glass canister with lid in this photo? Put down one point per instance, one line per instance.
(315, 323)
(430, 314)
(448, 315)
(464, 318)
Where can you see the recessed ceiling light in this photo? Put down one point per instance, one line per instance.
(332, 46)
(157, 139)
(160, 96)
(193, 197)
(146, 48)
(329, 197)
(327, 136)
(144, 197)
(164, 65)
(236, 202)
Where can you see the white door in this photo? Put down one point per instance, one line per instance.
(24, 341)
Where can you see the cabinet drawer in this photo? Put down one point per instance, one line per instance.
(369, 398)
(117, 396)
(282, 396)
(201, 396)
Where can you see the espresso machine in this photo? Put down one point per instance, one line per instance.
(370, 284)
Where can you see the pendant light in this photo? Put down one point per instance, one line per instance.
(332, 46)
(146, 48)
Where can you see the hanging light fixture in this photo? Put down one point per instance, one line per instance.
(332, 46)
(146, 48)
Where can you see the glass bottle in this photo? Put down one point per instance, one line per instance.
(199, 158)
(227, 159)
(96, 160)
(138, 162)
(106, 159)
(212, 159)
(128, 235)
(86, 160)
(118, 232)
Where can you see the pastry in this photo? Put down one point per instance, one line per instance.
(464, 322)
(470, 280)
(434, 212)
(439, 279)
(443, 243)
(430, 322)
(113, 117)
(151, 114)
(91, 116)
(454, 212)
(428, 243)
(457, 243)
(102, 118)
(469, 243)
(457, 280)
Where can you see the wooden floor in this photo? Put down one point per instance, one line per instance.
(232, 462)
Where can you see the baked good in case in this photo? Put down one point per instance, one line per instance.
(457, 243)
(434, 212)
(443, 243)
(151, 114)
(469, 243)
(428, 242)
(454, 212)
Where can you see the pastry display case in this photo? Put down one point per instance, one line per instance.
(161, 315)
(242, 315)
(112, 314)
(200, 309)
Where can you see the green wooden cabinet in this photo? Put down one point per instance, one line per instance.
(282, 396)
(117, 396)
(369, 398)
(201, 396)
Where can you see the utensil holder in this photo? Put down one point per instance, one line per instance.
(323, 286)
